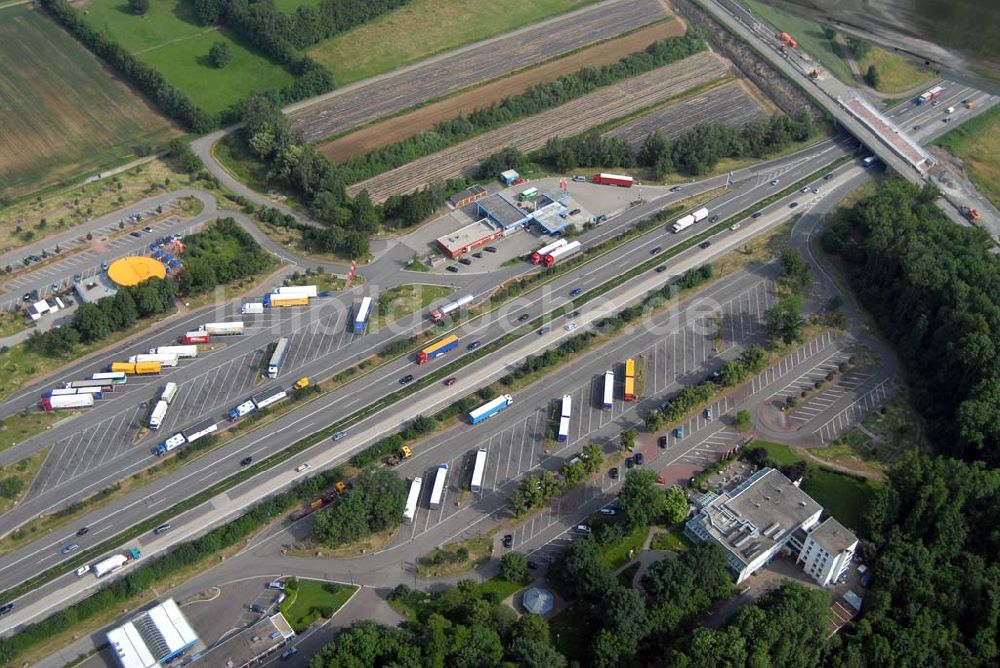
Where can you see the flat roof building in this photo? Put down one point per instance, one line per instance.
(552, 216)
(827, 551)
(469, 238)
(93, 288)
(252, 645)
(158, 635)
(503, 212)
(509, 176)
(468, 196)
(765, 514)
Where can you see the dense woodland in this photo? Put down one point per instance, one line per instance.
(933, 286)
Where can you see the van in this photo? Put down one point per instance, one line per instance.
(950, 110)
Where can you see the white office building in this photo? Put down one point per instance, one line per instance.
(764, 515)
(152, 638)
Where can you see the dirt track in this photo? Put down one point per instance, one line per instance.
(425, 118)
(728, 104)
(567, 120)
(411, 87)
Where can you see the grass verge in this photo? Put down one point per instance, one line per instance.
(977, 143)
(896, 74)
(671, 539)
(22, 426)
(311, 600)
(617, 554)
(401, 301)
(455, 558)
(16, 478)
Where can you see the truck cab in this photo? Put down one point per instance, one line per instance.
(301, 383)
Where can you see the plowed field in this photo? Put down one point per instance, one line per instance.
(434, 78)
(532, 133)
(399, 128)
(728, 104)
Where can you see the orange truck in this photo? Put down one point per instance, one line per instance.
(788, 40)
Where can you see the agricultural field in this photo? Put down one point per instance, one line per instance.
(423, 28)
(63, 115)
(977, 143)
(169, 38)
(728, 104)
(343, 110)
(402, 127)
(567, 120)
(810, 37)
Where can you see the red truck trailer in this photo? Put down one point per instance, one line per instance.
(613, 180)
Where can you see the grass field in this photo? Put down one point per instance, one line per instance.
(977, 142)
(896, 73)
(809, 35)
(401, 301)
(24, 471)
(169, 38)
(424, 28)
(314, 600)
(63, 114)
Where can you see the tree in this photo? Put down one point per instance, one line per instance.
(675, 505)
(138, 6)
(531, 628)
(220, 55)
(639, 500)
(612, 649)
(579, 573)
(627, 441)
(743, 421)
(655, 420)
(91, 322)
(624, 613)
(535, 654)
(514, 567)
(872, 76)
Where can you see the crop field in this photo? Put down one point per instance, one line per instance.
(343, 110)
(426, 27)
(404, 126)
(169, 38)
(531, 133)
(728, 104)
(62, 113)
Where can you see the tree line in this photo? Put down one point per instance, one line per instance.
(534, 100)
(932, 286)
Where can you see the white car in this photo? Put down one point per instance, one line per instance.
(582, 528)
(569, 326)
(734, 226)
(303, 467)
(608, 511)
(83, 570)
(775, 182)
(806, 189)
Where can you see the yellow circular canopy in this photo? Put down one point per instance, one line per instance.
(134, 269)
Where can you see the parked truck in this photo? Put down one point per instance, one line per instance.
(264, 399)
(297, 290)
(165, 360)
(222, 329)
(562, 253)
(183, 352)
(400, 455)
(67, 401)
(613, 180)
(172, 443)
(252, 308)
(199, 430)
(279, 301)
(115, 562)
(439, 313)
(490, 409)
(539, 255)
(158, 414)
(136, 368)
(437, 492)
(169, 392)
(195, 337)
(437, 349)
(971, 214)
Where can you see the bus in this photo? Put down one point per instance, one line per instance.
(530, 193)
(630, 380)
(477, 471)
(437, 493)
(412, 499)
(114, 377)
(567, 405)
(609, 389)
(277, 357)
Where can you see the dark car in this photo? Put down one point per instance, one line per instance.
(638, 459)
(676, 189)
(473, 345)
(656, 250)
(793, 205)
(148, 228)
(574, 212)
(78, 277)
(7, 608)
(575, 291)
(828, 177)
(466, 261)
(104, 266)
(662, 268)
(477, 255)
(258, 608)
(533, 565)
(325, 293)
(543, 330)
(629, 462)
(451, 381)
(508, 541)
(291, 651)
(523, 317)
(713, 377)
(713, 219)
(704, 244)
(406, 379)
(662, 442)
(82, 531)
(453, 269)
(135, 234)
(613, 473)
(573, 314)
(246, 461)
(26, 297)
(757, 214)
(490, 249)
